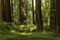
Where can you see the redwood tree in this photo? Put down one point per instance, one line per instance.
(53, 16)
(39, 20)
(58, 15)
(0, 10)
(22, 17)
(6, 10)
(33, 11)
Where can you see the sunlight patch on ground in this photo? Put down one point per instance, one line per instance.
(24, 33)
(13, 31)
(21, 33)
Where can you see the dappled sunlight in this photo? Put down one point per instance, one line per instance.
(28, 27)
(21, 33)
(29, 20)
(25, 33)
(13, 31)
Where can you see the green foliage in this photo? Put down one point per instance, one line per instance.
(46, 13)
(28, 28)
(33, 36)
(5, 26)
(15, 31)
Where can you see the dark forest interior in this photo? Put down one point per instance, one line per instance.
(29, 19)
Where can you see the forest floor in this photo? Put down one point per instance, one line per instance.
(29, 36)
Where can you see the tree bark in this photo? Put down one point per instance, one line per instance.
(0, 11)
(6, 11)
(22, 17)
(58, 15)
(33, 11)
(39, 20)
(53, 16)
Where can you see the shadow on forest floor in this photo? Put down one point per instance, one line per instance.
(29, 36)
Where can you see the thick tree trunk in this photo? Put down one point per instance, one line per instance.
(58, 15)
(6, 11)
(21, 13)
(0, 11)
(39, 20)
(53, 16)
(33, 11)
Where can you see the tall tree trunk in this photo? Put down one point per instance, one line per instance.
(6, 11)
(53, 16)
(11, 8)
(26, 10)
(39, 20)
(58, 15)
(3, 13)
(20, 12)
(22, 17)
(0, 11)
(33, 11)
